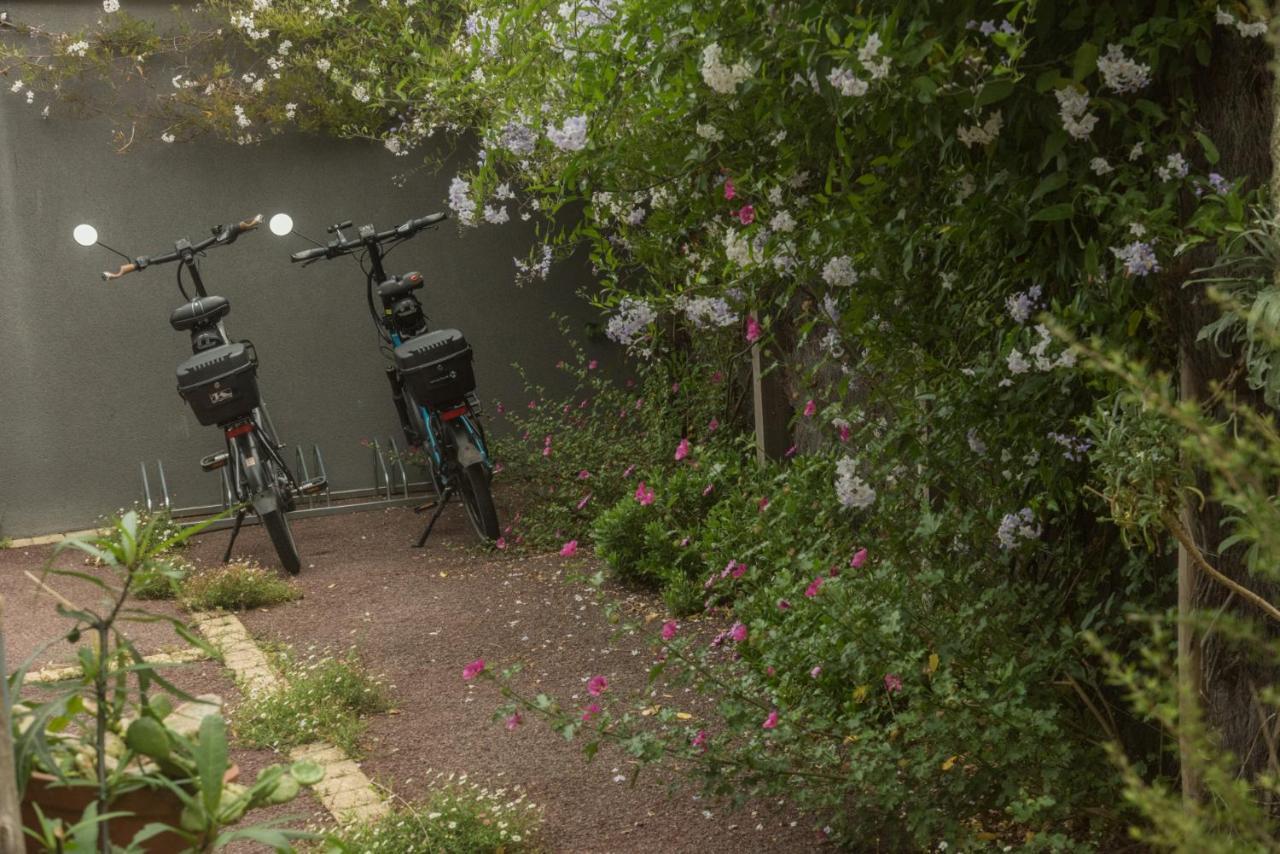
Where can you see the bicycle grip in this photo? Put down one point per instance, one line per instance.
(125, 269)
(308, 254)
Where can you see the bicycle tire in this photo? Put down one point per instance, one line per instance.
(277, 525)
(477, 498)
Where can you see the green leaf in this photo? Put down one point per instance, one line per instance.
(995, 91)
(1053, 213)
(306, 772)
(1210, 150)
(211, 760)
(1086, 61)
(1056, 181)
(1053, 144)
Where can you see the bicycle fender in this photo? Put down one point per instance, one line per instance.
(468, 453)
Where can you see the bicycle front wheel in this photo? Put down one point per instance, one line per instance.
(277, 525)
(478, 499)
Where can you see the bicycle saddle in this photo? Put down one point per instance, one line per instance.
(201, 311)
(399, 286)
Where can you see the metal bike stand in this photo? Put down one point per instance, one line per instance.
(448, 493)
(390, 487)
(148, 501)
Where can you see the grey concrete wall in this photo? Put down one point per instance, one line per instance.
(87, 385)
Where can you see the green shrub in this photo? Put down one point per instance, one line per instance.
(619, 538)
(457, 817)
(322, 698)
(236, 587)
(162, 579)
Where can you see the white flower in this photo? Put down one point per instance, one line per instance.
(851, 490)
(1137, 229)
(703, 312)
(1175, 166)
(241, 119)
(460, 201)
(709, 132)
(632, 317)
(839, 272)
(167, 137)
(1136, 151)
(1018, 363)
(720, 77)
(1021, 305)
(360, 92)
(17, 86)
(782, 221)
(1100, 166)
(571, 135)
(1014, 525)
(323, 65)
(849, 84)
(869, 55)
(110, 6)
(976, 444)
(79, 48)
(496, 216)
(1121, 74)
(1072, 107)
(284, 46)
(290, 110)
(984, 133)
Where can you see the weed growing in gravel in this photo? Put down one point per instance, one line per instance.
(457, 817)
(236, 587)
(323, 698)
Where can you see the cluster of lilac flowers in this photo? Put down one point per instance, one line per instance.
(1015, 526)
(1073, 105)
(1175, 166)
(1021, 305)
(722, 78)
(1121, 74)
(839, 272)
(1139, 258)
(460, 201)
(705, 312)
(633, 316)
(1075, 448)
(571, 135)
(982, 133)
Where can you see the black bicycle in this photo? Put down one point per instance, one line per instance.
(220, 382)
(431, 375)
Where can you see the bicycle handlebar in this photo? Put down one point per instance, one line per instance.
(223, 235)
(343, 247)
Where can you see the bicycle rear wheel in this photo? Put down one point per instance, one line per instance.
(477, 498)
(277, 525)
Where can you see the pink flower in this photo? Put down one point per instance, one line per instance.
(628, 470)
(783, 605)
(644, 495)
(584, 474)
(814, 587)
(501, 543)
(738, 633)
(589, 711)
(747, 215)
(729, 190)
(682, 450)
(810, 409)
(583, 502)
(761, 504)
(513, 720)
(501, 408)
(675, 387)
(791, 452)
(816, 671)
(713, 425)
(546, 452)
(858, 559)
(753, 330)
(597, 686)
(707, 491)
(700, 739)
(472, 670)
(569, 549)
(770, 722)
(669, 629)
(892, 683)
(533, 404)
(739, 570)
(684, 542)
(845, 432)
(592, 365)
(717, 377)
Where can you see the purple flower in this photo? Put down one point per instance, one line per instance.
(738, 633)
(1219, 184)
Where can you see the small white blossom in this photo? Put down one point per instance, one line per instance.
(720, 77)
(851, 490)
(1072, 107)
(1100, 166)
(839, 272)
(571, 135)
(460, 201)
(1121, 74)
(110, 6)
(984, 133)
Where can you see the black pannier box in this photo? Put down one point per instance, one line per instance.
(220, 383)
(437, 367)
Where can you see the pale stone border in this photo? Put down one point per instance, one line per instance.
(72, 671)
(345, 791)
(50, 539)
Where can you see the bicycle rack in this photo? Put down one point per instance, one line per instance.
(390, 486)
(166, 501)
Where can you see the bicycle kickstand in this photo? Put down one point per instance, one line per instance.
(235, 532)
(444, 499)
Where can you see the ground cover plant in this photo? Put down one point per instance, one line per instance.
(235, 587)
(326, 698)
(906, 211)
(458, 816)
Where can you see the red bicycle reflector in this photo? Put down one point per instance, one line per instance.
(240, 430)
(453, 413)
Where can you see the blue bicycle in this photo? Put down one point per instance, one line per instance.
(431, 375)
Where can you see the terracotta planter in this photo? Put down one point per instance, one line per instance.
(147, 806)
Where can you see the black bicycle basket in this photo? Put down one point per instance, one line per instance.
(221, 383)
(437, 368)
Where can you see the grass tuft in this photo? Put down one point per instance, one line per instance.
(324, 699)
(236, 587)
(457, 817)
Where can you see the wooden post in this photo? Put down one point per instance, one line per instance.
(772, 412)
(11, 838)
